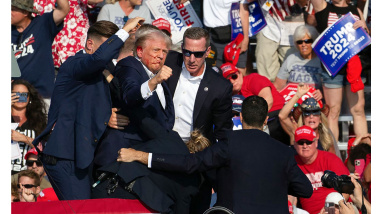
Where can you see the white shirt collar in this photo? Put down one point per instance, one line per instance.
(187, 75)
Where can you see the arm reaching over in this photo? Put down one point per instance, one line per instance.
(61, 11)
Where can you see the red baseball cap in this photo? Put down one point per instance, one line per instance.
(31, 151)
(231, 53)
(228, 69)
(162, 24)
(304, 133)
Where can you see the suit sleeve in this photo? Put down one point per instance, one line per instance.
(95, 63)
(130, 81)
(212, 157)
(222, 114)
(299, 184)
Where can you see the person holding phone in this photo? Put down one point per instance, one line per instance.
(28, 110)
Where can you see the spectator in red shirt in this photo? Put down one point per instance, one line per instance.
(256, 84)
(313, 163)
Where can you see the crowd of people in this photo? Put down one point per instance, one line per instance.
(95, 99)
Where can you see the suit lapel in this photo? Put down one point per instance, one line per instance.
(176, 70)
(202, 93)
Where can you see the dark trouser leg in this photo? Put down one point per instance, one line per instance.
(69, 182)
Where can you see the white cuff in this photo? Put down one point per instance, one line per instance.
(145, 91)
(122, 34)
(150, 160)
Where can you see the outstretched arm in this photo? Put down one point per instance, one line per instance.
(318, 5)
(266, 93)
(61, 11)
(285, 111)
(244, 15)
(211, 157)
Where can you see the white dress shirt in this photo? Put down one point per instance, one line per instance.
(145, 90)
(184, 99)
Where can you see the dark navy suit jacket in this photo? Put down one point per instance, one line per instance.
(80, 105)
(256, 172)
(131, 75)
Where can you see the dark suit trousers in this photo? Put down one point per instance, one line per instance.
(69, 182)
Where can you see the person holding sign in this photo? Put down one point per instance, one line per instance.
(218, 24)
(326, 14)
(304, 65)
(311, 116)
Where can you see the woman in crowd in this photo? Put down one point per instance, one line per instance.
(349, 77)
(304, 65)
(118, 11)
(30, 114)
(311, 116)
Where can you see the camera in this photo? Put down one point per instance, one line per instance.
(342, 183)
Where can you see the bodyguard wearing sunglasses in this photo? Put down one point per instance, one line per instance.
(313, 163)
(202, 98)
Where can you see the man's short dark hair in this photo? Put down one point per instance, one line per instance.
(102, 29)
(360, 151)
(30, 174)
(254, 111)
(197, 33)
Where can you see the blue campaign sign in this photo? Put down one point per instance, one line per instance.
(338, 43)
(237, 123)
(256, 19)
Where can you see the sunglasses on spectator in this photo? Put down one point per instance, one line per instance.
(28, 186)
(307, 41)
(314, 113)
(30, 163)
(197, 54)
(301, 142)
(233, 76)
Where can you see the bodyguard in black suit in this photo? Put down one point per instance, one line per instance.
(143, 72)
(256, 172)
(213, 102)
(202, 99)
(79, 111)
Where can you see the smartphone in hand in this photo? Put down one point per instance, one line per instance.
(359, 166)
(23, 97)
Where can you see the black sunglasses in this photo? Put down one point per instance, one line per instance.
(307, 41)
(197, 54)
(301, 142)
(233, 76)
(30, 163)
(28, 186)
(314, 113)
